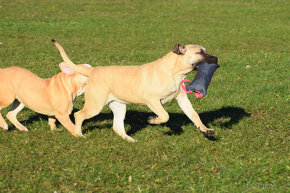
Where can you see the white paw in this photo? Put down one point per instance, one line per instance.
(23, 129)
(78, 135)
(5, 126)
(129, 139)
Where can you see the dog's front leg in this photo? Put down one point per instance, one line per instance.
(66, 122)
(157, 108)
(187, 108)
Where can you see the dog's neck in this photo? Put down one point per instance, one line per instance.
(172, 62)
(63, 79)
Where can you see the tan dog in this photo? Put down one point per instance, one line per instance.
(53, 96)
(151, 84)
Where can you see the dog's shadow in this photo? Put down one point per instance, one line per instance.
(138, 120)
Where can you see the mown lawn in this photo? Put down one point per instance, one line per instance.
(248, 107)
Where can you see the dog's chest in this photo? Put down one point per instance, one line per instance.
(174, 89)
(175, 83)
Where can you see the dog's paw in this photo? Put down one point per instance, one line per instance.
(82, 136)
(5, 126)
(79, 135)
(209, 133)
(154, 120)
(55, 129)
(131, 140)
(151, 119)
(22, 128)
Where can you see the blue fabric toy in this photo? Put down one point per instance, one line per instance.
(201, 80)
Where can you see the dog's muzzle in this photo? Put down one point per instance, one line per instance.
(210, 59)
(206, 58)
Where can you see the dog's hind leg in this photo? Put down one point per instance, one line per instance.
(3, 123)
(6, 98)
(11, 115)
(51, 122)
(157, 108)
(119, 111)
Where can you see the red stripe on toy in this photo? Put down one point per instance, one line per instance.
(198, 95)
(183, 87)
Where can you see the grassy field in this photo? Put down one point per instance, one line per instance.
(248, 107)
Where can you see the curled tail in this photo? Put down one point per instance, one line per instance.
(82, 69)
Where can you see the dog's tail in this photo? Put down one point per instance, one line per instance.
(82, 69)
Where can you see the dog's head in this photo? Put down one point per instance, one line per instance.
(192, 55)
(79, 79)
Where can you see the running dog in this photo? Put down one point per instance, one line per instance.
(52, 96)
(152, 84)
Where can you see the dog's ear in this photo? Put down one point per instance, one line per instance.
(64, 68)
(178, 49)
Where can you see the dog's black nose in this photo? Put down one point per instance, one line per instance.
(215, 60)
(211, 59)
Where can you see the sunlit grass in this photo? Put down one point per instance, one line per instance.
(248, 107)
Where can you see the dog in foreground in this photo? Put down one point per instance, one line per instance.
(52, 96)
(152, 84)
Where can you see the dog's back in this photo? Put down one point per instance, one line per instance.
(19, 83)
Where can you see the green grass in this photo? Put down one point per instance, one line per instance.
(248, 108)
